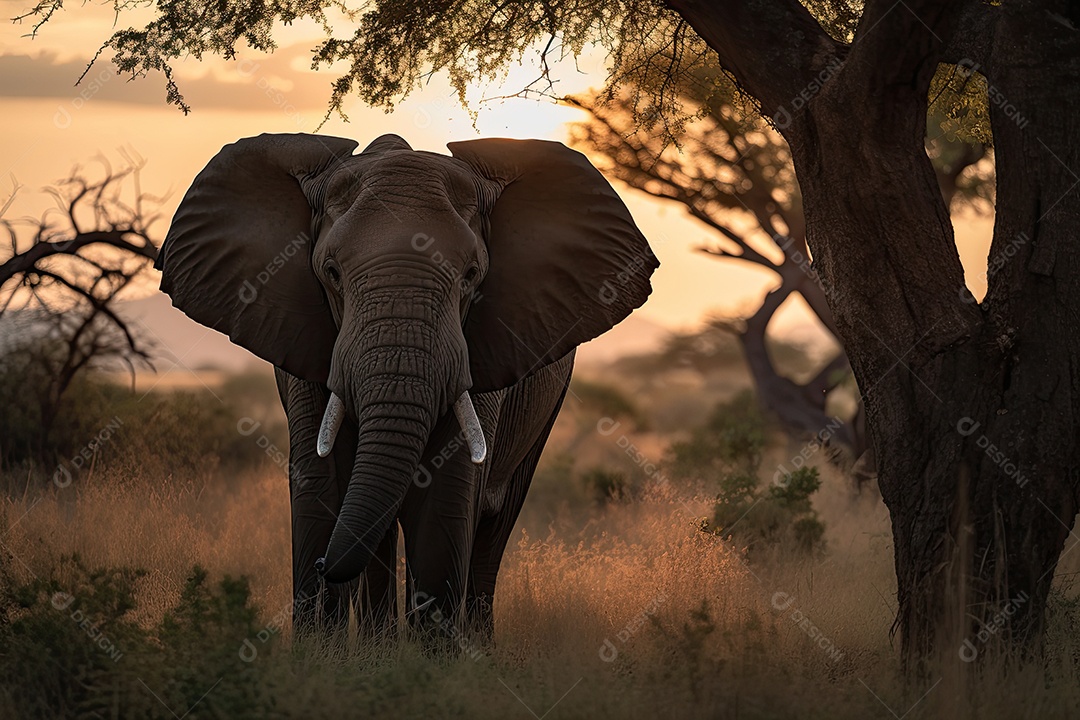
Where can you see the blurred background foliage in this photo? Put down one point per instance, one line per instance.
(106, 429)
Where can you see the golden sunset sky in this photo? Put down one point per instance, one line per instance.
(51, 125)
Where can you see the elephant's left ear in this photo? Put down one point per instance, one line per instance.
(567, 261)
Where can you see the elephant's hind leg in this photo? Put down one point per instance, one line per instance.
(546, 390)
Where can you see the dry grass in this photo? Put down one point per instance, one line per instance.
(632, 613)
(165, 531)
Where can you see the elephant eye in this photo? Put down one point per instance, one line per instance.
(470, 276)
(333, 272)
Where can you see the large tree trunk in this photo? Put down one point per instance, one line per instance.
(973, 409)
(1030, 341)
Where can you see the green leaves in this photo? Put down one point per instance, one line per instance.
(726, 454)
(72, 648)
(730, 443)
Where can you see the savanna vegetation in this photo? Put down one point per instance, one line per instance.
(852, 87)
(678, 557)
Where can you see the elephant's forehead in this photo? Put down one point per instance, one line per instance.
(425, 171)
(400, 183)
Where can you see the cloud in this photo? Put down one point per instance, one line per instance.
(256, 85)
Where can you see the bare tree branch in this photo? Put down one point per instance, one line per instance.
(77, 260)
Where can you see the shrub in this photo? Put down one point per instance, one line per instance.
(780, 516)
(732, 440)
(605, 484)
(726, 453)
(150, 436)
(63, 637)
(70, 648)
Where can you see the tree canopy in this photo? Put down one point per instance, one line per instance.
(391, 47)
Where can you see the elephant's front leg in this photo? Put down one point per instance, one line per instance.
(438, 519)
(317, 488)
(377, 604)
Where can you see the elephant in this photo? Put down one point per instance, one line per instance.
(422, 313)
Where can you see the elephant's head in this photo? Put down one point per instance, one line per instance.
(402, 279)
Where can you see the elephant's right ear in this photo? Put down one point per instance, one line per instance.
(237, 256)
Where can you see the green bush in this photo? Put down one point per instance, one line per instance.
(70, 649)
(605, 484)
(778, 516)
(732, 440)
(726, 453)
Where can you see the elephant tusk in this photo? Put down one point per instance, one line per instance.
(470, 424)
(331, 423)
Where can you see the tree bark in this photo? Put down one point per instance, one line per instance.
(973, 409)
(1029, 346)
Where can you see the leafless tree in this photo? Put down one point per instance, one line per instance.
(63, 275)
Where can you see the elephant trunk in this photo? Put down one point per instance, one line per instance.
(398, 365)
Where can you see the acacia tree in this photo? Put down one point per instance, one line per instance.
(729, 166)
(60, 282)
(733, 173)
(942, 377)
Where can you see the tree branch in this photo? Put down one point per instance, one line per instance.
(773, 48)
(28, 260)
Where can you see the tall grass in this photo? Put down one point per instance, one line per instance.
(630, 605)
(635, 613)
